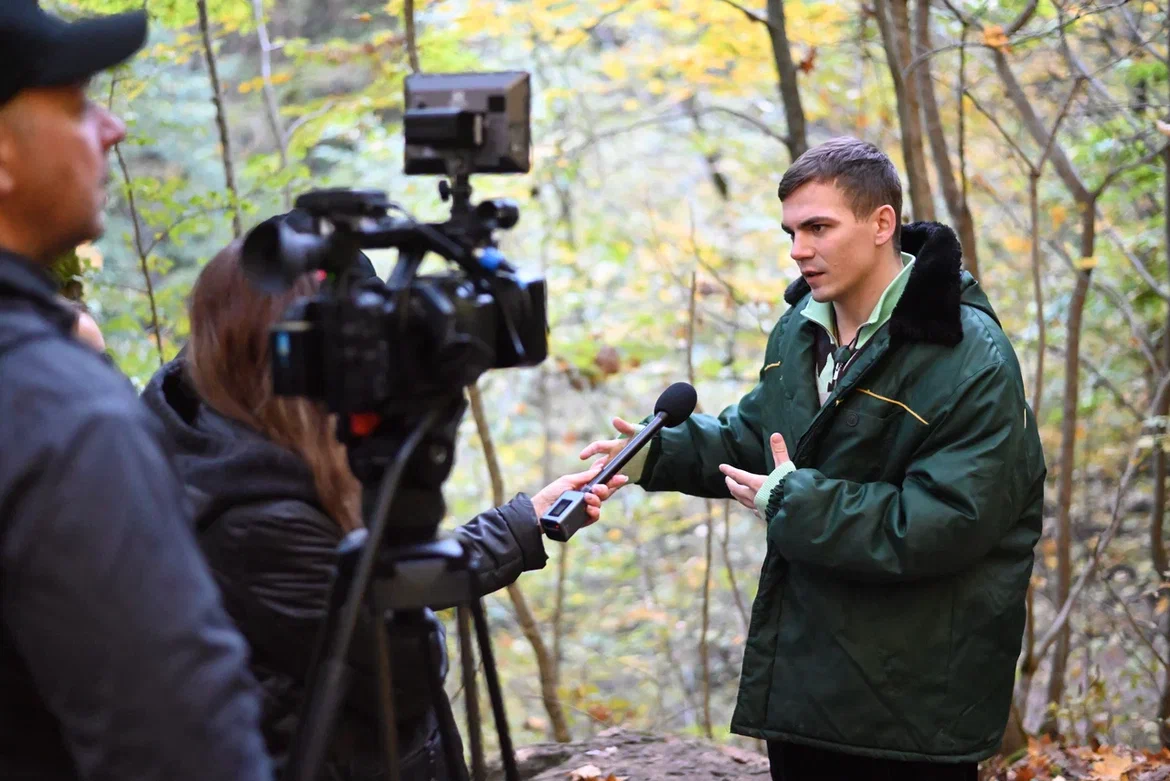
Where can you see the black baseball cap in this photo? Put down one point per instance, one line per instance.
(42, 50)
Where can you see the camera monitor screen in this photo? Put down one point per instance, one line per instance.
(482, 118)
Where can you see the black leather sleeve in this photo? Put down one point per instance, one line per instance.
(505, 542)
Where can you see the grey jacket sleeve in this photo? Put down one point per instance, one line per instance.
(111, 606)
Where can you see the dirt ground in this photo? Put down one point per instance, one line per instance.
(636, 757)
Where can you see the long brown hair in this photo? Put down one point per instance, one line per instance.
(228, 363)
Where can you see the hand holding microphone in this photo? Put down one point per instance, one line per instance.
(569, 513)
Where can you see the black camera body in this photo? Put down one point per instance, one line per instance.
(382, 345)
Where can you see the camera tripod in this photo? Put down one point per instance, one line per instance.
(398, 568)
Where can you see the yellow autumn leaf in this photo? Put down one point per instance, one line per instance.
(1017, 244)
(1087, 264)
(615, 69)
(1058, 214)
(630, 104)
(994, 37)
(613, 535)
(281, 78)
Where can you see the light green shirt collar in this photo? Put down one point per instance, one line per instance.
(821, 312)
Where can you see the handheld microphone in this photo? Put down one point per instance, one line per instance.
(569, 513)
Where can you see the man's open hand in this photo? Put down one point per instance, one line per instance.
(744, 485)
(610, 447)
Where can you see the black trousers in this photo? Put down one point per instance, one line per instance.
(791, 762)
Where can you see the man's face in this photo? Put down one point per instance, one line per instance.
(834, 250)
(54, 146)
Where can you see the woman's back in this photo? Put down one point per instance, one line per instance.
(273, 549)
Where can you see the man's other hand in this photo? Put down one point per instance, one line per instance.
(744, 485)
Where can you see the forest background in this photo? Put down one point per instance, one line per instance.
(1037, 129)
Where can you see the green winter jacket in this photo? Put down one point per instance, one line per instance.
(891, 600)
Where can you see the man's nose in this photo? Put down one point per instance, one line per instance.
(113, 129)
(801, 249)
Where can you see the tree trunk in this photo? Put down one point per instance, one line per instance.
(544, 662)
(1156, 540)
(894, 22)
(1068, 437)
(1038, 293)
(956, 203)
(797, 139)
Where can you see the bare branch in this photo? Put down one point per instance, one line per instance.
(1103, 542)
(1141, 635)
(142, 255)
(1137, 37)
(1060, 160)
(1022, 19)
(1006, 136)
(750, 14)
(411, 35)
(304, 119)
(220, 116)
(1145, 346)
(271, 104)
(1138, 265)
(1056, 126)
(1111, 177)
(1103, 380)
(756, 123)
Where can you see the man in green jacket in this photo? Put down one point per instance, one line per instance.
(889, 448)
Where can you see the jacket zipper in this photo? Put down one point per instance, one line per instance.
(829, 407)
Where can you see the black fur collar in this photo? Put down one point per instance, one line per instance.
(929, 308)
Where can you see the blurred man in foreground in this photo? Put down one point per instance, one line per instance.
(117, 660)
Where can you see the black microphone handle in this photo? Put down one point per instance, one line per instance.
(626, 453)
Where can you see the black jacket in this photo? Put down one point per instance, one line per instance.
(273, 551)
(117, 660)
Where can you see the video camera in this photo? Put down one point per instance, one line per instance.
(391, 359)
(364, 346)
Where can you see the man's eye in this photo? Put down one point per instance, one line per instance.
(816, 229)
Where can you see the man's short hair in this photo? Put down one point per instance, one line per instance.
(858, 168)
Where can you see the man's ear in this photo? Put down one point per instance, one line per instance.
(885, 223)
(8, 152)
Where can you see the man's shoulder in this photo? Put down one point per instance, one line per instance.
(51, 382)
(983, 357)
(984, 342)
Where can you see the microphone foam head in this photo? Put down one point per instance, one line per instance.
(678, 402)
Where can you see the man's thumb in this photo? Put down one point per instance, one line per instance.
(779, 449)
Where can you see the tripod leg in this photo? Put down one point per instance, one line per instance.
(449, 732)
(493, 683)
(470, 695)
(389, 736)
